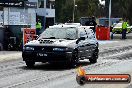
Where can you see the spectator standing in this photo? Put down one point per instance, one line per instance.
(111, 33)
(38, 27)
(92, 22)
(124, 29)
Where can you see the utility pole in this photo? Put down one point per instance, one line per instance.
(73, 10)
(110, 13)
(45, 13)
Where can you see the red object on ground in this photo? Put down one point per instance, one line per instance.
(102, 33)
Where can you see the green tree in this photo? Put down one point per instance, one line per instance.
(85, 8)
(122, 8)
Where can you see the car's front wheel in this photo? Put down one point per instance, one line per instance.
(73, 62)
(94, 57)
(30, 63)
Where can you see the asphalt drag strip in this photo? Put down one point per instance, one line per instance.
(14, 74)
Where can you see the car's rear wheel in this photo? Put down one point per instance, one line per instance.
(30, 64)
(94, 57)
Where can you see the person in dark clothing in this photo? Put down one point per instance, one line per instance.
(124, 29)
(88, 22)
(92, 22)
(111, 33)
(7, 35)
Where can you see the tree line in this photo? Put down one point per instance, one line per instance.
(123, 9)
(88, 8)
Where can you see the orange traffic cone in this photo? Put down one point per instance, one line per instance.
(81, 71)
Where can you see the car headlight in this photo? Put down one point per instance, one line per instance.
(28, 48)
(60, 49)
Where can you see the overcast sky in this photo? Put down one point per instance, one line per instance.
(102, 2)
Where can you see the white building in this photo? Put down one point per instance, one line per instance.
(45, 11)
(18, 14)
(15, 15)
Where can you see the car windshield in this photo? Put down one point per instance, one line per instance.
(59, 33)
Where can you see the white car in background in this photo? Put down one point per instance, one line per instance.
(118, 28)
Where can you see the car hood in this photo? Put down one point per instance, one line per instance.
(52, 42)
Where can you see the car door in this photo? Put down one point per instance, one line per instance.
(82, 44)
(90, 46)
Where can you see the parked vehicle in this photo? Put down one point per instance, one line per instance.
(62, 44)
(118, 28)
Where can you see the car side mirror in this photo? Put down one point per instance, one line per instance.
(81, 38)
